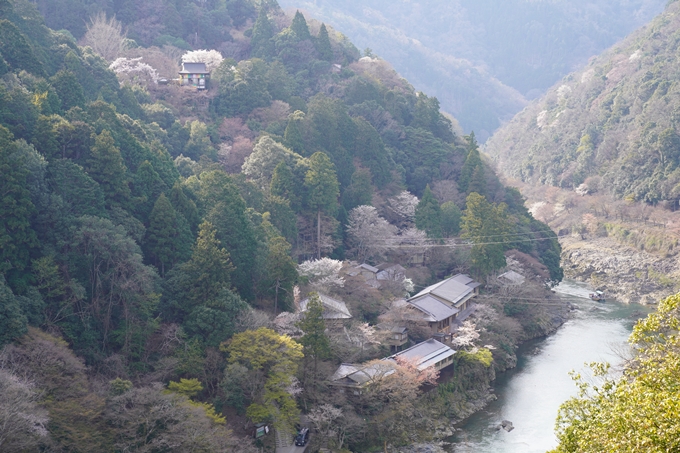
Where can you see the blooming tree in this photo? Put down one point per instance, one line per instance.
(211, 58)
(322, 273)
(404, 205)
(133, 70)
(466, 335)
(369, 233)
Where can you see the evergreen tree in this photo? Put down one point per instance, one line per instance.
(282, 217)
(428, 215)
(263, 32)
(185, 206)
(322, 190)
(147, 186)
(16, 235)
(209, 268)
(284, 185)
(13, 322)
(323, 44)
(486, 225)
(315, 341)
(451, 216)
(477, 181)
(281, 270)
(168, 239)
(360, 190)
(472, 162)
(292, 136)
(68, 89)
(107, 168)
(299, 27)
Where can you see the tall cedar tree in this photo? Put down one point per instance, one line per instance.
(281, 270)
(292, 136)
(472, 161)
(428, 215)
(106, 166)
(263, 32)
(209, 268)
(284, 185)
(299, 27)
(168, 238)
(322, 190)
(323, 44)
(185, 206)
(315, 341)
(486, 225)
(16, 235)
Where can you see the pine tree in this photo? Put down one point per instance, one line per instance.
(428, 215)
(107, 168)
(263, 32)
(322, 189)
(323, 44)
(299, 27)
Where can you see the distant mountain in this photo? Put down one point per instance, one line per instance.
(613, 126)
(482, 58)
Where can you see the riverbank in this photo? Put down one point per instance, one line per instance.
(626, 274)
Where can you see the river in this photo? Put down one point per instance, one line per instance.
(530, 395)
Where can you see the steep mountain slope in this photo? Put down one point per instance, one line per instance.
(613, 126)
(480, 58)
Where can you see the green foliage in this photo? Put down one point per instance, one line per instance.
(322, 184)
(428, 215)
(68, 89)
(315, 341)
(106, 166)
(486, 225)
(299, 26)
(120, 386)
(281, 272)
(13, 322)
(450, 219)
(637, 411)
(323, 44)
(186, 387)
(168, 237)
(276, 357)
(263, 32)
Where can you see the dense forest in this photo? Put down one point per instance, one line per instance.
(149, 232)
(482, 59)
(611, 127)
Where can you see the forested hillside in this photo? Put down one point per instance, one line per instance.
(149, 232)
(612, 127)
(482, 59)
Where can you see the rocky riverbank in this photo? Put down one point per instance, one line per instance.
(623, 272)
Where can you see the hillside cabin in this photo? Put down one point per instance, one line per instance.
(194, 75)
(429, 353)
(455, 291)
(335, 311)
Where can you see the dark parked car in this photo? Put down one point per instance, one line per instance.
(302, 437)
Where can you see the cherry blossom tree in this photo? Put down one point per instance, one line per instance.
(211, 58)
(370, 235)
(322, 273)
(134, 70)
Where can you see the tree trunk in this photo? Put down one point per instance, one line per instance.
(318, 234)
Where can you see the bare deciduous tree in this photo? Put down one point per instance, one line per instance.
(22, 421)
(105, 35)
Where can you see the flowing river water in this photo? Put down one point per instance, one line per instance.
(529, 395)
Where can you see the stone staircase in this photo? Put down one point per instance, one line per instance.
(284, 439)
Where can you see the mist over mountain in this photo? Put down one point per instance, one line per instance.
(612, 125)
(483, 59)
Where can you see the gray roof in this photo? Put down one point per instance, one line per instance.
(513, 277)
(332, 308)
(194, 68)
(425, 354)
(434, 309)
(357, 375)
(452, 290)
(368, 267)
